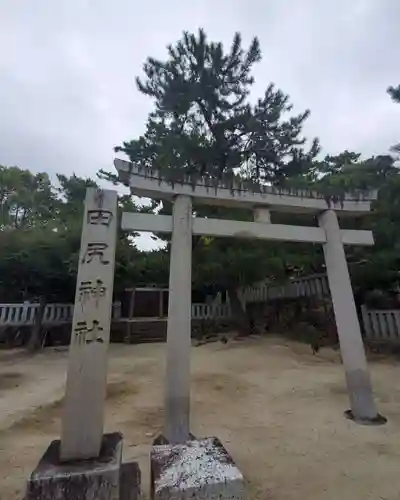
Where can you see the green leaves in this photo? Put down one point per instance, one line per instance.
(40, 236)
(26, 200)
(35, 262)
(376, 266)
(203, 124)
(394, 93)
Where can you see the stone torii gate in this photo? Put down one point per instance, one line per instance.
(262, 201)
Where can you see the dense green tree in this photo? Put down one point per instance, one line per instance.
(37, 264)
(375, 267)
(40, 239)
(204, 124)
(26, 200)
(394, 93)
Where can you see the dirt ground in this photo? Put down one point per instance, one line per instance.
(276, 407)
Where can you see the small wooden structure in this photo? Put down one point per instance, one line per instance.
(144, 303)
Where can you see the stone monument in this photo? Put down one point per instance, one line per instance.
(87, 464)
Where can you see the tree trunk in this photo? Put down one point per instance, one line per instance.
(34, 340)
(239, 314)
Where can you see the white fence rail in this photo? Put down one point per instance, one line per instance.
(381, 324)
(210, 311)
(315, 285)
(24, 314)
(310, 286)
(56, 314)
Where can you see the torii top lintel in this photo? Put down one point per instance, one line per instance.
(152, 185)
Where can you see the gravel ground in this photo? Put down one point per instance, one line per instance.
(277, 408)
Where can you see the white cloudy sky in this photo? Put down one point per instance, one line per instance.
(67, 68)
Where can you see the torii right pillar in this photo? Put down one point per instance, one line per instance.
(362, 405)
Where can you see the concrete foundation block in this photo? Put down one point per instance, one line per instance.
(102, 478)
(130, 481)
(200, 469)
(161, 439)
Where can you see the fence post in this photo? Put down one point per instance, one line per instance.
(24, 315)
(365, 321)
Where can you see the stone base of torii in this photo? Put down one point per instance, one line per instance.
(101, 478)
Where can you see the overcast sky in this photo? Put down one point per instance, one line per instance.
(67, 69)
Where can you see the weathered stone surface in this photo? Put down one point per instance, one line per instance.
(231, 190)
(197, 470)
(161, 439)
(177, 392)
(351, 344)
(130, 481)
(94, 479)
(83, 409)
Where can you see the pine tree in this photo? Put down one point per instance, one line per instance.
(394, 93)
(204, 123)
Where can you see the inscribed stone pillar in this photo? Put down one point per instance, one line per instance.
(348, 327)
(177, 403)
(82, 420)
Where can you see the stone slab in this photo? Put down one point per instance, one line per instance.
(83, 410)
(200, 469)
(161, 439)
(94, 479)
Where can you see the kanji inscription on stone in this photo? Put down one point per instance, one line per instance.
(82, 423)
(91, 289)
(93, 251)
(99, 216)
(86, 333)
